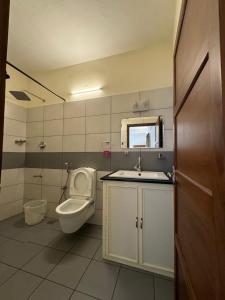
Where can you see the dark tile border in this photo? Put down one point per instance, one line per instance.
(118, 160)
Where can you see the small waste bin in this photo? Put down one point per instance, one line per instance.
(35, 211)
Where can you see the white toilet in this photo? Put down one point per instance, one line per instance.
(76, 210)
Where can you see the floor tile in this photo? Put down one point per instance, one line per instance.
(133, 285)
(80, 296)
(98, 257)
(17, 218)
(3, 240)
(44, 262)
(164, 289)
(19, 286)
(11, 230)
(6, 272)
(86, 247)
(69, 271)
(99, 280)
(91, 230)
(51, 291)
(49, 224)
(17, 253)
(38, 236)
(64, 241)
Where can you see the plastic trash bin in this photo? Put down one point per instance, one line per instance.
(35, 211)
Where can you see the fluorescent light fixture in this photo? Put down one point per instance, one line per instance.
(85, 91)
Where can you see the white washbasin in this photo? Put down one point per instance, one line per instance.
(136, 174)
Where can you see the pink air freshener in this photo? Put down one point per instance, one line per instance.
(106, 153)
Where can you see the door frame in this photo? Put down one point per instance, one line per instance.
(4, 25)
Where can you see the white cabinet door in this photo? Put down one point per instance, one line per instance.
(156, 235)
(121, 230)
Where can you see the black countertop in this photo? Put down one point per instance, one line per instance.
(162, 181)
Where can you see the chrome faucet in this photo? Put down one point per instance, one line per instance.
(137, 167)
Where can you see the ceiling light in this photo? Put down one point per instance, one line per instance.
(84, 91)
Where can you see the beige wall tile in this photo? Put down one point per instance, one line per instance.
(74, 109)
(35, 129)
(74, 126)
(15, 112)
(74, 143)
(53, 112)
(53, 127)
(96, 142)
(124, 103)
(99, 106)
(98, 124)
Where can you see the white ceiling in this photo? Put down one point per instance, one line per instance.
(50, 34)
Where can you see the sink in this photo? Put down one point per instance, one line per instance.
(142, 175)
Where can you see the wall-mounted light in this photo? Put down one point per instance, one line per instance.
(85, 91)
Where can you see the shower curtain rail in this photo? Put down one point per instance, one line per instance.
(39, 83)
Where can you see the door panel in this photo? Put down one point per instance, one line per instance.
(122, 211)
(157, 237)
(193, 45)
(200, 152)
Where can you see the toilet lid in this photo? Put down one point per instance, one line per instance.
(81, 183)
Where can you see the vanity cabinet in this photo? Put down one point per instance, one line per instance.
(138, 225)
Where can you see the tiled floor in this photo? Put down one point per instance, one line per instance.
(41, 263)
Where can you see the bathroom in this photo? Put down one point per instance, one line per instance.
(90, 169)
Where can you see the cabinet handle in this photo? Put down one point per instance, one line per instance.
(136, 222)
(141, 223)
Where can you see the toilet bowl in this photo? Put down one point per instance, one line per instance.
(76, 210)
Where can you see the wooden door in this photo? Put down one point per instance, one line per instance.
(199, 151)
(4, 19)
(156, 230)
(121, 222)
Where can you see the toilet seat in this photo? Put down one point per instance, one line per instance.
(81, 182)
(72, 206)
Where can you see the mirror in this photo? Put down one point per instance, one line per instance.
(142, 132)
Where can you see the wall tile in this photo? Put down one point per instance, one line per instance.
(96, 142)
(51, 213)
(159, 98)
(13, 127)
(32, 191)
(52, 177)
(99, 199)
(74, 143)
(53, 144)
(11, 209)
(117, 118)
(12, 177)
(15, 112)
(35, 114)
(11, 193)
(51, 193)
(99, 106)
(74, 126)
(116, 142)
(34, 129)
(124, 103)
(53, 112)
(29, 174)
(74, 109)
(33, 143)
(98, 124)
(53, 127)
(9, 144)
(96, 218)
(166, 113)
